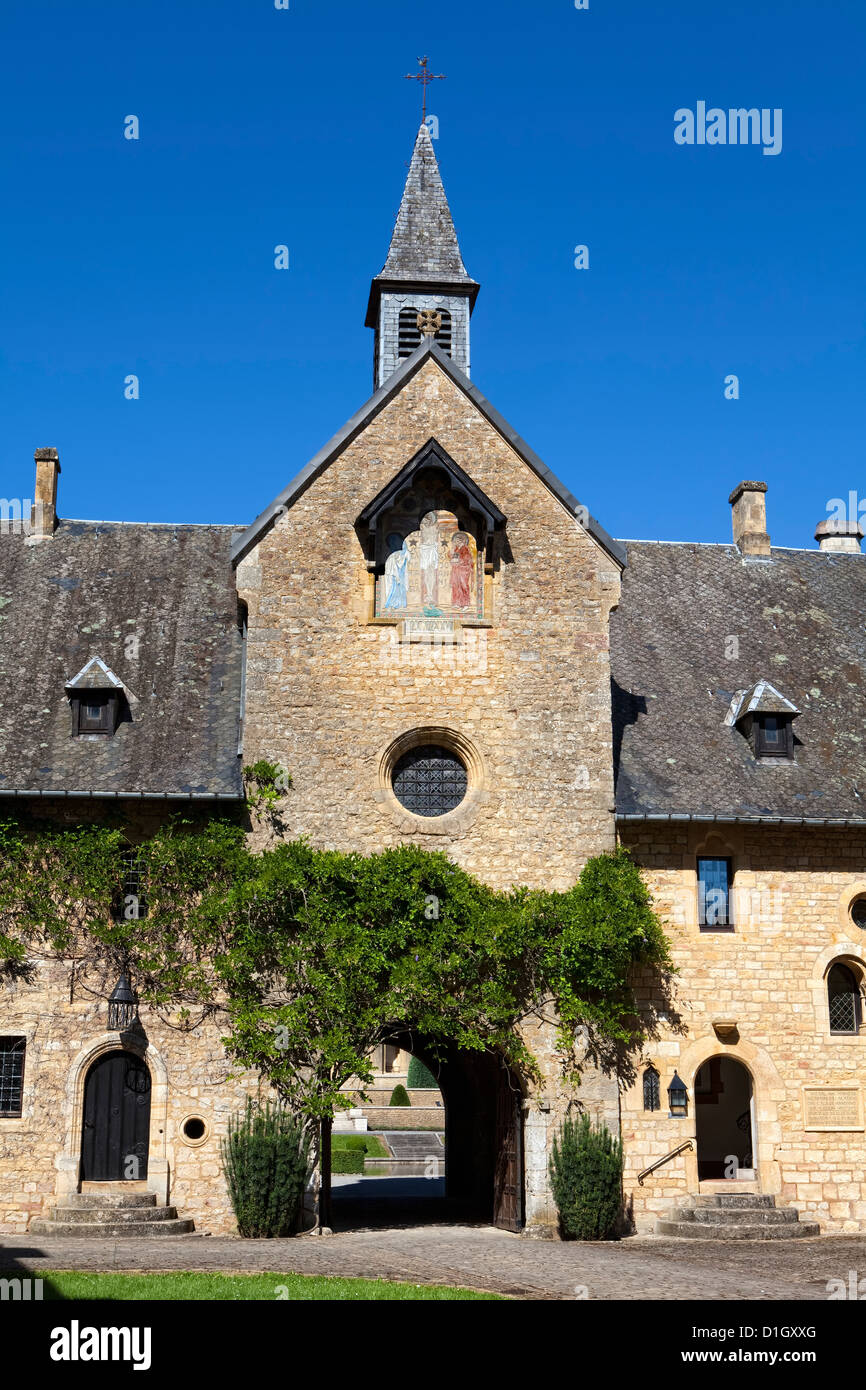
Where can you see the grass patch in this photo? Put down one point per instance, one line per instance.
(235, 1288)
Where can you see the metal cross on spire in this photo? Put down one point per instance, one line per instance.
(425, 77)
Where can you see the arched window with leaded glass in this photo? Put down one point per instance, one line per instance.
(843, 998)
(651, 1091)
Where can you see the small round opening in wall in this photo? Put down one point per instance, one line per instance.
(194, 1128)
(858, 913)
(430, 780)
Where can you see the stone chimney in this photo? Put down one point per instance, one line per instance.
(43, 517)
(749, 516)
(841, 537)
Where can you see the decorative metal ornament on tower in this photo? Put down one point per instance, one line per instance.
(122, 1006)
(425, 77)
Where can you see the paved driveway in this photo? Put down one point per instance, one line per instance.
(642, 1267)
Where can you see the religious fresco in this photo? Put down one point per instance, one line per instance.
(430, 570)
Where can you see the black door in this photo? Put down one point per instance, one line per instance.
(114, 1140)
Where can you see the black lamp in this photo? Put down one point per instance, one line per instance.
(678, 1097)
(122, 1006)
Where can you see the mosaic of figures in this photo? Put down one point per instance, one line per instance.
(431, 569)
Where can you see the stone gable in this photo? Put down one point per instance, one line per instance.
(328, 689)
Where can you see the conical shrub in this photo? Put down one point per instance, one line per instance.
(586, 1180)
(266, 1161)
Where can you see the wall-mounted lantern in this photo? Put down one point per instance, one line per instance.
(678, 1097)
(122, 1006)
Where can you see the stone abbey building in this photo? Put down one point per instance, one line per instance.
(444, 648)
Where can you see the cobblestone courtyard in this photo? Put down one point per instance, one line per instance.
(643, 1267)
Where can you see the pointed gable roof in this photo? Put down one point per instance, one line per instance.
(760, 698)
(95, 676)
(377, 402)
(424, 249)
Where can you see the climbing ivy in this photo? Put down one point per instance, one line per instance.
(307, 958)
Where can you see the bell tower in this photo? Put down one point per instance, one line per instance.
(423, 289)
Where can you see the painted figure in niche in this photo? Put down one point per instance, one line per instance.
(429, 559)
(397, 573)
(462, 568)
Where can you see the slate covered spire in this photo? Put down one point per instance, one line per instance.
(424, 270)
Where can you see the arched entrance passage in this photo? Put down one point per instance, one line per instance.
(115, 1133)
(484, 1179)
(725, 1120)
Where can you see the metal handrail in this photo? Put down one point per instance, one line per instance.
(687, 1144)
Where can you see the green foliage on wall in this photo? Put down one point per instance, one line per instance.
(308, 958)
(399, 1096)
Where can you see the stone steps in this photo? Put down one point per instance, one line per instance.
(90, 1215)
(736, 1216)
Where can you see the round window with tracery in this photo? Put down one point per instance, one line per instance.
(429, 780)
(858, 912)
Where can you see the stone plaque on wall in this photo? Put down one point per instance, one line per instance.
(832, 1107)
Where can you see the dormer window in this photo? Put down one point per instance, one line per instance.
(96, 699)
(96, 715)
(774, 736)
(765, 717)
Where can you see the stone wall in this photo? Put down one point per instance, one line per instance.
(39, 1153)
(793, 889)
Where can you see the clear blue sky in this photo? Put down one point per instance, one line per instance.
(261, 126)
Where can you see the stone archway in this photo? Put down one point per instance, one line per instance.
(768, 1090)
(725, 1126)
(68, 1161)
(484, 1149)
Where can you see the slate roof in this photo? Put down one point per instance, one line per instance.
(799, 619)
(424, 247)
(84, 593)
(424, 242)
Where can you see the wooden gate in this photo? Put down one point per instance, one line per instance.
(116, 1131)
(508, 1173)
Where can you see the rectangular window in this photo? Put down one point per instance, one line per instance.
(715, 906)
(774, 736)
(11, 1077)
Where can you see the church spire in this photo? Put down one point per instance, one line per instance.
(423, 274)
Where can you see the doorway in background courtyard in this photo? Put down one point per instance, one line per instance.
(115, 1133)
(481, 1142)
(725, 1120)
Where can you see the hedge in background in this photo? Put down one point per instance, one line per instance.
(266, 1161)
(586, 1180)
(420, 1077)
(399, 1096)
(347, 1161)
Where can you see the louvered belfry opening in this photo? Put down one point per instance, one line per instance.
(409, 334)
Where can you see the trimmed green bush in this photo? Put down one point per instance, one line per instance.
(420, 1077)
(399, 1096)
(347, 1161)
(266, 1161)
(586, 1180)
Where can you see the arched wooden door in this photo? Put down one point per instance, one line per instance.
(116, 1130)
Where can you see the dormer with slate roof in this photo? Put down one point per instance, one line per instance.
(97, 698)
(423, 289)
(765, 717)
